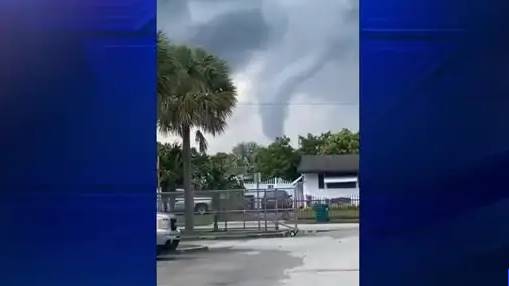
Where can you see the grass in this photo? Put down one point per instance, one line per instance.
(332, 220)
(337, 213)
(199, 220)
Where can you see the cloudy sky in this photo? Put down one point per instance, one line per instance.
(294, 62)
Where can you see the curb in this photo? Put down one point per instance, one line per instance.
(334, 221)
(314, 231)
(236, 236)
(191, 249)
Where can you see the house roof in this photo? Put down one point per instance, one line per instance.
(329, 163)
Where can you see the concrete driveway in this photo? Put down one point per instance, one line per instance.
(327, 258)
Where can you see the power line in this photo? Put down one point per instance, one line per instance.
(296, 103)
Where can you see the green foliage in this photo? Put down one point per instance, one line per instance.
(311, 144)
(215, 172)
(200, 167)
(245, 157)
(165, 67)
(226, 170)
(344, 142)
(279, 159)
(336, 214)
(221, 173)
(194, 90)
(170, 166)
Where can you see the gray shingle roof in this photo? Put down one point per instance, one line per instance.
(329, 163)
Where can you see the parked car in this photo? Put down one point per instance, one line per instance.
(277, 199)
(249, 202)
(201, 205)
(168, 236)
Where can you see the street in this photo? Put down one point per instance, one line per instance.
(328, 258)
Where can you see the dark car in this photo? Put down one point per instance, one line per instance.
(277, 200)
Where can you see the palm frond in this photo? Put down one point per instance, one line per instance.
(201, 141)
(194, 89)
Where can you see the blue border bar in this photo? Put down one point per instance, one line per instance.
(78, 144)
(435, 142)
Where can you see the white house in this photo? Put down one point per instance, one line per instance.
(330, 177)
(273, 183)
(256, 190)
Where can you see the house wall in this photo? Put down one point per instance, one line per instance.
(265, 186)
(258, 190)
(310, 183)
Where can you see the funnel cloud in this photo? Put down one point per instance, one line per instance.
(295, 61)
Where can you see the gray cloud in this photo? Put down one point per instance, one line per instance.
(304, 50)
(234, 36)
(224, 27)
(174, 18)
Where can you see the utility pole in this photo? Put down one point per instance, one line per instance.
(258, 203)
(158, 175)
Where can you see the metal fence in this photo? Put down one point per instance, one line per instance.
(221, 210)
(253, 209)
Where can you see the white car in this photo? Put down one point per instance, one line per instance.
(168, 236)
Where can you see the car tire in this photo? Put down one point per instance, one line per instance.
(201, 209)
(172, 246)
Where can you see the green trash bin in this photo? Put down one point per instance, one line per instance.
(321, 212)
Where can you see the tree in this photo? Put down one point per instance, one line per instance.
(171, 171)
(221, 174)
(343, 142)
(170, 175)
(199, 169)
(245, 155)
(311, 144)
(170, 166)
(246, 150)
(195, 92)
(166, 68)
(279, 159)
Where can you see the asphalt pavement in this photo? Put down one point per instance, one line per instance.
(328, 258)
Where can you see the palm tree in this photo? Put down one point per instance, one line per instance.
(195, 92)
(170, 166)
(170, 172)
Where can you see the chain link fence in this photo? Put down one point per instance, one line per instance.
(254, 209)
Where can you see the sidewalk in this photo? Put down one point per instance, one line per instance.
(232, 234)
(236, 230)
(327, 226)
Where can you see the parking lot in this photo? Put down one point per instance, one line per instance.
(328, 258)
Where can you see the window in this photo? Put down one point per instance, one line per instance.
(337, 181)
(320, 181)
(342, 185)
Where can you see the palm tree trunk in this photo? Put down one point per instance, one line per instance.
(188, 187)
